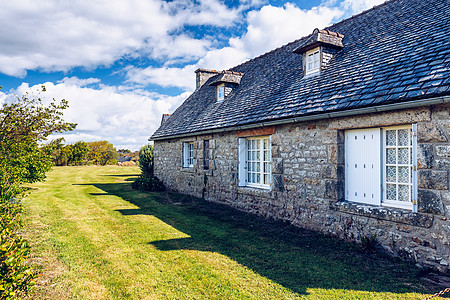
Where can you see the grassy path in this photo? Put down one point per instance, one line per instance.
(96, 238)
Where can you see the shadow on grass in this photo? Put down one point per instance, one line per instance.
(292, 257)
(121, 175)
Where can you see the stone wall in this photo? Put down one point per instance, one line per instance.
(308, 181)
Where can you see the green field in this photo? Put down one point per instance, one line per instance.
(94, 237)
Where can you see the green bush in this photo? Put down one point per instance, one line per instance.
(16, 275)
(146, 160)
(150, 184)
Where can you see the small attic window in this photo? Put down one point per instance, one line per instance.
(312, 64)
(225, 82)
(220, 89)
(318, 49)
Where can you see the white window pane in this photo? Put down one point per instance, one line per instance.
(391, 137)
(391, 174)
(403, 174)
(403, 156)
(403, 137)
(403, 192)
(391, 192)
(391, 158)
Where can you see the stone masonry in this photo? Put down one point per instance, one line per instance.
(308, 181)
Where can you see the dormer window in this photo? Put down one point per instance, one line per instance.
(220, 92)
(225, 82)
(312, 64)
(318, 49)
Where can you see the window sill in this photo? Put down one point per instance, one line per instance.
(247, 190)
(384, 213)
(187, 169)
(311, 73)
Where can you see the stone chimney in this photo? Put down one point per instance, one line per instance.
(202, 75)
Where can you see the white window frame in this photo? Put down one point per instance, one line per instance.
(380, 161)
(220, 90)
(188, 154)
(255, 162)
(409, 166)
(313, 61)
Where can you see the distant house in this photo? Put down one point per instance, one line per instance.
(345, 131)
(122, 159)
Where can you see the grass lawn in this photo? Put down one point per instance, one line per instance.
(94, 237)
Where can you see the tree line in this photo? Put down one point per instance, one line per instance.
(81, 153)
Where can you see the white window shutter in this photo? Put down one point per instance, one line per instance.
(414, 169)
(242, 164)
(363, 165)
(185, 155)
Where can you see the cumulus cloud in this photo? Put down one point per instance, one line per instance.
(55, 35)
(267, 28)
(166, 76)
(123, 117)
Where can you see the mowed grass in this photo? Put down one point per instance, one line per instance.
(94, 237)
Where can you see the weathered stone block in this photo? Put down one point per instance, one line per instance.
(442, 163)
(443, 150)
(330, 137)
(334, 189)
(332, 172)
(435, 180)
(441, 112)
(277, 166)
(384, 213)
(425, 156)
(430, 202)
(423, 242)
(277, 183)
(430, 133)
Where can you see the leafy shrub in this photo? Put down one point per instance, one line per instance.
(146, 160)
(368, 243)
(151, 184)
(16, 275)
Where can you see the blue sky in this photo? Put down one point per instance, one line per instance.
(121, 64)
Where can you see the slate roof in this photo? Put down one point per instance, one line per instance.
(398, 51)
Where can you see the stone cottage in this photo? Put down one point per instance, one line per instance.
(345, 131)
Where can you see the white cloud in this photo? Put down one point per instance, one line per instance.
(54, 35)
(272, 27)
(267, 28)
(2, 98)
(79, 82)
(356, 6)
(166, 77)
(123, 117)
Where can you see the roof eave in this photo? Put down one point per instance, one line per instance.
(343, 113)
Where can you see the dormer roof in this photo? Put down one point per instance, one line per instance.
(321, 37)
(227, 77)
